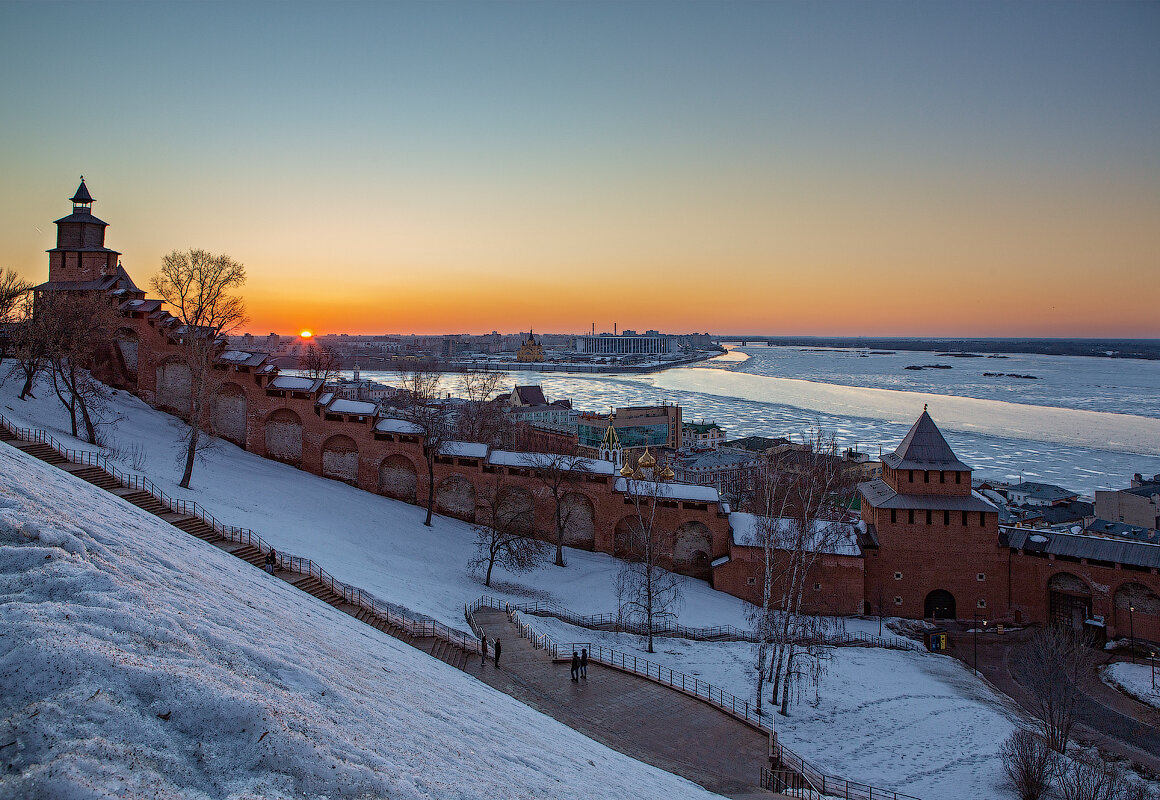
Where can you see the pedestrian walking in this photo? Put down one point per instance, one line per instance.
(495, 651)
(483, 652)
(575, 666)
(271, 560)
(584, 663)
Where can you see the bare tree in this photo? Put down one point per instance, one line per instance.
(646, 593)
(422, 406)
(1055, 666)
(559, 475)
(801, 494)
(28, 346)
(481, 418)
(1029, 763)
(200, 287)
(320, 361)
(502, 535)
(75, 326)
(13, 289)
(1087, 777)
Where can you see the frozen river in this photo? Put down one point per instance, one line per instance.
(1083, 423)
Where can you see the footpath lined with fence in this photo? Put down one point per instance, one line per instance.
(787, 772)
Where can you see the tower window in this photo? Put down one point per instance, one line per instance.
(912, 476)
(958, 477)
(982, 576)
(926, 476)
(897, 600)
(964, 514)
(982, 519)
(894, 515)
(928, 516)
(910, 516)
(817, 587)
(946, 518)
(981, 604)
(751, 581)
(942, 476)
(898, 576)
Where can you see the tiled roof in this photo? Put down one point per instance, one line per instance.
(879, 494)
(1120, 551)
(924, 448)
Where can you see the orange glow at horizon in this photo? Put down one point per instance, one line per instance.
(306, 334)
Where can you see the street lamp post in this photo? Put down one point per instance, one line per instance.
(975, 632)
(1153, 660)
(1132, 630)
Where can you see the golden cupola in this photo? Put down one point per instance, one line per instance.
(646, 461)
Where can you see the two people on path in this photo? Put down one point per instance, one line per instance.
(271, 561)
(580, 665)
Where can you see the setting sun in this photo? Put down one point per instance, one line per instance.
(306, 334)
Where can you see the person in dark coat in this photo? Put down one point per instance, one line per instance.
(495, 650)
(584, 663)
(575, 666)
(271, 560)
(483, 652)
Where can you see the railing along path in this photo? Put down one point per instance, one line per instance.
(794, 775)
(718, 633)
(415, 625)
(808, 781)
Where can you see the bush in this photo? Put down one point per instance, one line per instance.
(1029, 763)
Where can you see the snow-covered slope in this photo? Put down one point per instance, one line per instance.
(136, 661)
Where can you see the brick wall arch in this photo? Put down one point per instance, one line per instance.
(580, 521)
(517, 509)
(283, 433)
(228, 414)
(398, 478)
(692, 546)
(340, 459)
(455, 497)
(174, 386)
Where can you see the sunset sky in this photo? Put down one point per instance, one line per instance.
(877, 168)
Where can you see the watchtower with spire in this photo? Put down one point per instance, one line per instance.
(80, 255)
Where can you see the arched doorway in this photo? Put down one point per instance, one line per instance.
(229, 413)
(627, 537)
(939, 604)
(455, 497)
(692, 544)
(340, 459)
(579, 521)
(1069, 601)
(284, 436)
(397, 478)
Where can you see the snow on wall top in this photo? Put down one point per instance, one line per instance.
(464, 449)
(509, 458)
(834, 538)
(397, 426)
(342, 406)
(235, 355)
(293, 383)
(669, 491)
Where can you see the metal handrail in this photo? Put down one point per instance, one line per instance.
(813, 781)
(714, 633)
(415, 626)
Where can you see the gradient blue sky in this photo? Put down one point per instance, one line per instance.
(904, 168)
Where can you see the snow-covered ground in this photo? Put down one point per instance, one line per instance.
(137, 661)
(912, 722)
(904, 719)
(1137, 680)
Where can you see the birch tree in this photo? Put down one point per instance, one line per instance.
(502, 537)
(74, 326)
(646, 593)
(200, 287)
(559, 475)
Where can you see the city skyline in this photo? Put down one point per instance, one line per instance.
(892, 169)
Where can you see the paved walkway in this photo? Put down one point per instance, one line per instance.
(638, 717)
(1104, 717)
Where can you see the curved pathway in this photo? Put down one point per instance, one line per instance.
(635, 716)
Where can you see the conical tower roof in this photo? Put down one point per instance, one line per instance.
(924, 448)
(82, 195)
